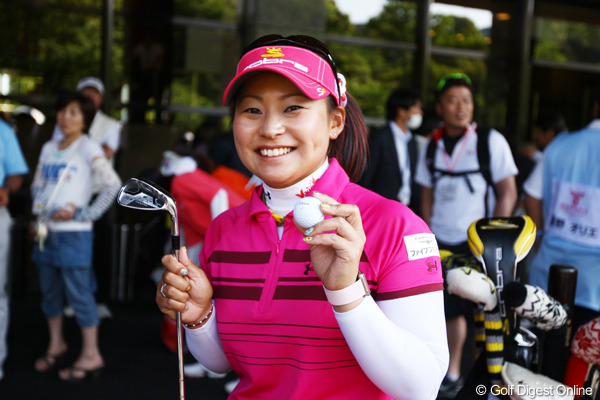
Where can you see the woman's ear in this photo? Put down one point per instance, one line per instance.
(337, 122)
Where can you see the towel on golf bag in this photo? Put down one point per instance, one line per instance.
(586, 343)
(473, 285)
(534, 304)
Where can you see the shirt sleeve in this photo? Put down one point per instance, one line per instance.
(502, 163)
(14, 162)
(405, 260)
(112, 138)
(422, 175)
(38, 177)
(102, 172)
(534, 184)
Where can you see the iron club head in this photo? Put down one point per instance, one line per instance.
(143, 194)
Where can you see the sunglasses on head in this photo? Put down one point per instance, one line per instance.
(454, 76)
(302, 41)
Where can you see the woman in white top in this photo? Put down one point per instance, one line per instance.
(62, 194)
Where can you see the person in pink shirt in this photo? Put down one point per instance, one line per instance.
(351, 308)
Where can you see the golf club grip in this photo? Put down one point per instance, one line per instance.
(562, 282)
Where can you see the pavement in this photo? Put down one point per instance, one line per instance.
(138, 364)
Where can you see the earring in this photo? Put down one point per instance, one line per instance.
(334, 135)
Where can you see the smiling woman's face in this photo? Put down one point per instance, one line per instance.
(281, 135)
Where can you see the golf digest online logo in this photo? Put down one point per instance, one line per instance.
(530, 392)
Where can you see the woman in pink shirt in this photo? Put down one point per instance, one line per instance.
(351, 309)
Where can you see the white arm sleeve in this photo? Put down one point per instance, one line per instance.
(400, 344)
(205, 345)
(102, 172)
(219, 203)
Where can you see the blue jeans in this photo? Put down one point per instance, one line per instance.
(64, 269)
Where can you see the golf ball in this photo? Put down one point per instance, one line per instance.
(307, 212)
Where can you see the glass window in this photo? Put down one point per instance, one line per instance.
(460, 27)
(566, 41)
(377, 55)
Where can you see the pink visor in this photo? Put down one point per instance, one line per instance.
(307, 70)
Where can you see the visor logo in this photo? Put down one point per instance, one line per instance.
(273, 52)
(321, 91)
(281, 61)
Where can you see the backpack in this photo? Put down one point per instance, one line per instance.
(483, 158)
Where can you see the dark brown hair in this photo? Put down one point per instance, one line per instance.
(351, 148)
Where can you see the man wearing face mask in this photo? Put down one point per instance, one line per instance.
(393, 150)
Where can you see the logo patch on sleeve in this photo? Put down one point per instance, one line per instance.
(421, 245)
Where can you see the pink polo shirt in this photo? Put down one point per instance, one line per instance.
(276, 326)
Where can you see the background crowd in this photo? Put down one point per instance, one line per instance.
(444, 166)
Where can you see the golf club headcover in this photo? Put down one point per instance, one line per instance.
(494, 345)
(586, 343)
(527, 383)
(473, 285)
(534, 304)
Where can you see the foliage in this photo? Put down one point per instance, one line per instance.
(373, 72)
(55, 42)
(218, 10)
(567, 41)
(396, 22)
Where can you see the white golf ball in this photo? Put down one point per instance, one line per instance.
(307, 212)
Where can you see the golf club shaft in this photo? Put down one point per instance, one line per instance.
(180, 357)
(175, 240)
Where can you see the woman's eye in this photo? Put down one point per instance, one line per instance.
(252, 110)
(293, 108)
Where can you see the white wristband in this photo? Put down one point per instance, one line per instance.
(349, 294)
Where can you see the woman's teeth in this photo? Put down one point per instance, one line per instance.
(275, 152)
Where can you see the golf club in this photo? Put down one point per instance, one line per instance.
(143, 194)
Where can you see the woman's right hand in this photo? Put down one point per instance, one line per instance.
(187, 289)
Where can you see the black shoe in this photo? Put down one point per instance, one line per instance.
(449, 389)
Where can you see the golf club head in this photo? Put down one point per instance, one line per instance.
(145, 195)
(526, 349)
(499, 244)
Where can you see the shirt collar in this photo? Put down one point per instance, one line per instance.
(331, 183)
(282, 201)
(399, 133)
(595, 125)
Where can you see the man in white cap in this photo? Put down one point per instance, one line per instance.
(104, 129)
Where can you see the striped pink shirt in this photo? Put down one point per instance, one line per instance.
(277, 328)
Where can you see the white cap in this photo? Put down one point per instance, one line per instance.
(91, 81)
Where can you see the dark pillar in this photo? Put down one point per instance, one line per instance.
(422, 60)
(108, 19)
(149, 58)
(509, 76)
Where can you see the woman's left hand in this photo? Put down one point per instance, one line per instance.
(336, 244)
(65, 214)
